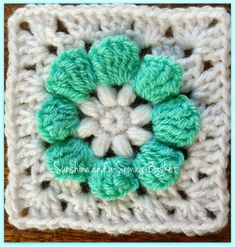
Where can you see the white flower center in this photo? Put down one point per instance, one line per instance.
(116, 120)
(113, 122)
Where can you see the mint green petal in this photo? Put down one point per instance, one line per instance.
(176, 122)
(158, 78)
(72, 76)
(157, 165)
(70, 160)
(57, 118)
(115, 59)
(112, 178)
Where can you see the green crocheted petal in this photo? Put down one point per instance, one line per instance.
(158, 78)
(70, 160)
(72, 76)
(112, 178)
(176, 122)
(157, 165)
(115, 59)
(57, 119)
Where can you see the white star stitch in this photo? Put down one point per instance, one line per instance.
(113, 122)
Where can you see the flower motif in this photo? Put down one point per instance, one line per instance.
(71, 115)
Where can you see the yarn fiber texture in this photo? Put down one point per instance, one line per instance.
(158, 79)
(57, 119)
(70, 160)
(175, 121)
(112, 181)
(164, 162)
(72, 76)
(197, 40)
(115, 61)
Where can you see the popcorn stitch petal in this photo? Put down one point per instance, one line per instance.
(158, 79)
(115, 60)
(72, 76)
(70, 160)
(176, 122)
(112, 178)
(157, 166)
(57, 119)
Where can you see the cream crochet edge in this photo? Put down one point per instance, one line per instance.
(174, 225)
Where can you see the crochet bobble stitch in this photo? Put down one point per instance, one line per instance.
(112, 183)
(57, 119)
(111, 120)
(115, 60)
(175, 121)
(72, 76)
(70, 160)
(161, 165)
(158, 79)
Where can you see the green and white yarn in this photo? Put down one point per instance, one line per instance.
(114, 62)
(113, 122)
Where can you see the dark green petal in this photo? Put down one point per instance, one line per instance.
(57, 119)
(158, 79)
(176, 122)
(115, 60)
(112, 178)
(157, 165)
(72, 76)
(70, 160)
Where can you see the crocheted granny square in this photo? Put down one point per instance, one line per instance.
(58, 55)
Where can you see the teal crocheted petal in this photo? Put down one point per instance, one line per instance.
(115, 59)
(57, 119)
(72, 76)
(157, 165)
(158, 78)
(112, 178)
(176, 122)
(70, 160)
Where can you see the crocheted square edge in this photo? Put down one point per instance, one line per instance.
(11, 190)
